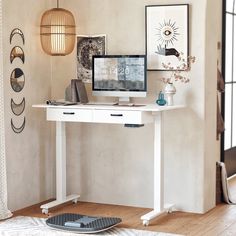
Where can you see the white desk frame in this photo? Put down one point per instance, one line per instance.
(97, 114)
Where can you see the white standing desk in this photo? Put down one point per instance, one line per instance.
(150, 113)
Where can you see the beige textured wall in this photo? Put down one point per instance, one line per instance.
(29, 157)
(108, 163)
(212, 147)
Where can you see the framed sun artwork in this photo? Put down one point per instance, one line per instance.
(87, 47)
(167, 35)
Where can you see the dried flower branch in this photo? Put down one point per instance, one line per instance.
(177, 73)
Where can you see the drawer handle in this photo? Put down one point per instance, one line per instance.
(68, 113)
(117, 115)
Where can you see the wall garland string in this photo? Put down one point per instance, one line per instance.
(17, 81)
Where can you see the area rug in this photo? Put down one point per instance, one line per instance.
(31, 226)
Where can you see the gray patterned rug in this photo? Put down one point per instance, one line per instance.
(31, 226)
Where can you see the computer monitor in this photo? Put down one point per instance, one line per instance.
(121, 76)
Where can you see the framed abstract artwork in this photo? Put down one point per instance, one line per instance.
(87, 47)
(167, 35)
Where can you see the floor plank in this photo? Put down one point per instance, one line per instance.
(220, 221)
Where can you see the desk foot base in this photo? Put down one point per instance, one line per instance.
(153, 214)
(45, 208)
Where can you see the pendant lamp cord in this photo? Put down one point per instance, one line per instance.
(57, 3)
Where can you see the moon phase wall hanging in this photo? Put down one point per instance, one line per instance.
(18, 129)
(17, 52)
(17, 31)
(18, 108)
(17, 81)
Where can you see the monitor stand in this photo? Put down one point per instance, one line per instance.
(124, 101)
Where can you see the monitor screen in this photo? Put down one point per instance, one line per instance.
(119, 75)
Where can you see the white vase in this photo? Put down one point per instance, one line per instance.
(169, 91)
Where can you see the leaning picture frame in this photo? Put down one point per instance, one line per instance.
(87, 46)
(167, 35)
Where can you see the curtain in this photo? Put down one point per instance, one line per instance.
(4, 212)
(225, 185)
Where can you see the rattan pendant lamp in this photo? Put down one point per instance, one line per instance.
(57, 31)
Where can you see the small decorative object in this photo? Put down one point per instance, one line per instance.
(87, 47)
(76, 92)
(17, 52)
(161, 101)
(178, 74)
(17, 80)
(68, 93)
(81, 91)
(18, 129)
(166, 35)
(17, 31)
(170, 91)
(18, 108)
(57, 31)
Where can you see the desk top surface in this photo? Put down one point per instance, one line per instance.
(102, 106)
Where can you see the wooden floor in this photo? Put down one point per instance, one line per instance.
(219, 221)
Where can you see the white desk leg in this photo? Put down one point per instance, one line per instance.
(60, 161)
(60, 170)
(159, 207)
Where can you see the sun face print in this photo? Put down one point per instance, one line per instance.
(167, 33)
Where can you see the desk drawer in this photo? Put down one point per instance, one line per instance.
(120, 117)
(73, 115)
